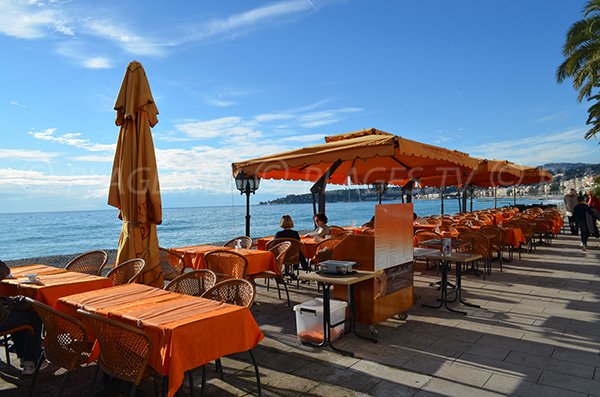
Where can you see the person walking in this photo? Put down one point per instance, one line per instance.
(585, 219)
(594, 201)
(570, 201)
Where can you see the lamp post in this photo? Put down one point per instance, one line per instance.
(380, 188)
(247, 184)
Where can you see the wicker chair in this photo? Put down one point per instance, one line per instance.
(172, 264)
(245, 242)
(124, 350)
(292, 257)
(368, 231)
(226, 264)
(6, 337)
(324, 250)
(496, 237)
(479, 244)
(65, 342)
(90, 263)
(424, 235)
(280, 252)
(193, 283)
(236, 292)
(337, 231)
(127, 272)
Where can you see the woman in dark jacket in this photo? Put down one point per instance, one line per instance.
(15, 312)
(585, 218)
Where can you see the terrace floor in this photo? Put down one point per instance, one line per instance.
(537, 334)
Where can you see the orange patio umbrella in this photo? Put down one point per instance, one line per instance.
(368, 156)
(134, 187)
(362, 157)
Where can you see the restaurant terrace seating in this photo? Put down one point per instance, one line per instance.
(245, 242)
(171, 263)
(292, 256)
(193, 283)
(124, 350)
(6, 338)
(280, 252)
(65, 342)
(226, 264)
(127, 272)
(90, 263)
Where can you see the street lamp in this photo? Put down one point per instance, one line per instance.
(379, 187)
(247, 184)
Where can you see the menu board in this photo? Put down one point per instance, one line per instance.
(393, 235)
(393, 248)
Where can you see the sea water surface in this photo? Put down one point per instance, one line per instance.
(29, 235)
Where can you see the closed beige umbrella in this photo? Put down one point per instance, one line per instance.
(134, 187)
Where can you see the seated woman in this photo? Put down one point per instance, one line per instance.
(15, 312)
(321, 230)
(286, 223)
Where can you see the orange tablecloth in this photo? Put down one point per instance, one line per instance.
(514, 236)
(187, 332)
(194, 255)
(54, 283)
(258, 260)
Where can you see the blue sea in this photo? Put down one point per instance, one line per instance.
(29, 235)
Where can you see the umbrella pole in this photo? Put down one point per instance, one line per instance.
(459, 200)
(471, 204)
(515, 195)
(442, 197)
(380, 194)
(495, 197)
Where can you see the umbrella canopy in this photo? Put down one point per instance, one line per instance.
(363, 157)
(489, 173)
(134, 187)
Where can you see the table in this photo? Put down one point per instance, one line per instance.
(53, 283)
(326, 281)
(186, 331)
(258, 261)
(445, 260)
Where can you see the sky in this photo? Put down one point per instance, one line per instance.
(235, 80)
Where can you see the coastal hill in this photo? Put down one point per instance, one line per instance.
(563, 172)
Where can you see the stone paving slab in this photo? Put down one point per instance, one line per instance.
(537, 333)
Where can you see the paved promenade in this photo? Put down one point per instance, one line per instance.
(537, 334)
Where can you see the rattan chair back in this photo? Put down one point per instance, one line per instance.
(424, 235)
(245, 242)
(324, 250)
(280, 252)
(65, 340)
(337, 231)
(89, 263)
(127, 272)
(171, 263)
(368, 231)
(479, 243)
(124, 350)
(235, 291)
(226, 264)
(193, 283)
(293, 253)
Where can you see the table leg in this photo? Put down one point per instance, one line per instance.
(370, 337)
(459, 288)
(443, 290)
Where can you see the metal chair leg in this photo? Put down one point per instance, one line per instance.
(64, 383)
(132, 391)
(92, 384)
(191, 381)
(203, 385)
(35, 374)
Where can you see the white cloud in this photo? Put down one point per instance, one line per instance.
(29, 155)
(220, 103)
(261, 118)
(95, 158)
(77, 52)
(97, 63)
(119, 34)
(14, 103)
(221, 127)
(566, 146)
(303, 138)
(71, 140)
(32, 19)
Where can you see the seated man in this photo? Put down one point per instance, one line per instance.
(15, 312)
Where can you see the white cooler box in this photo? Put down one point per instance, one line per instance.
(309, 319)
